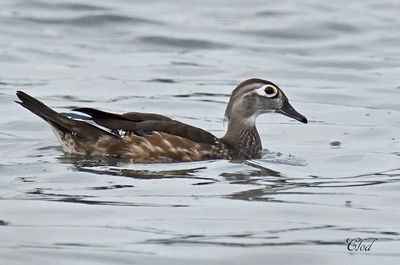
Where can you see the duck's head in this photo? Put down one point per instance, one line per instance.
(256, 96)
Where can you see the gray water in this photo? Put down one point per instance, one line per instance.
(317, 184)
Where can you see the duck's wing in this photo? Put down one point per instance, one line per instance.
(141, 116)
(135, 121)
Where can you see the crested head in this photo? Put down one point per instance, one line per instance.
(255, 96)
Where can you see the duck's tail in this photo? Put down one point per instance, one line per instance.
(55, 119)
(72, 131)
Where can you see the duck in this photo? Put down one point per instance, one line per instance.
(150, 137)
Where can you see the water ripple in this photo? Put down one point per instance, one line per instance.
(96, 20)
(181, 43)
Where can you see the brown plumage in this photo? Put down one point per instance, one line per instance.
(148, 137)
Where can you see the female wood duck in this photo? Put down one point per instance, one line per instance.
(147, 137)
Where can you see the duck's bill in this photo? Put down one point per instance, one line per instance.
(289, 111)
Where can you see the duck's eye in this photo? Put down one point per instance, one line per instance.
(270, 91)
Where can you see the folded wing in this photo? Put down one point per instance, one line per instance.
(135, 121)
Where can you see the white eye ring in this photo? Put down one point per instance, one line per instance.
(268, 91)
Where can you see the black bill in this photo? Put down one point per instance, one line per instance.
(289, 111)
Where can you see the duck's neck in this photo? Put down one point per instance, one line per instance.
(243, 139)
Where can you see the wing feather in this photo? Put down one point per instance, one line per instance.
(133, 121)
